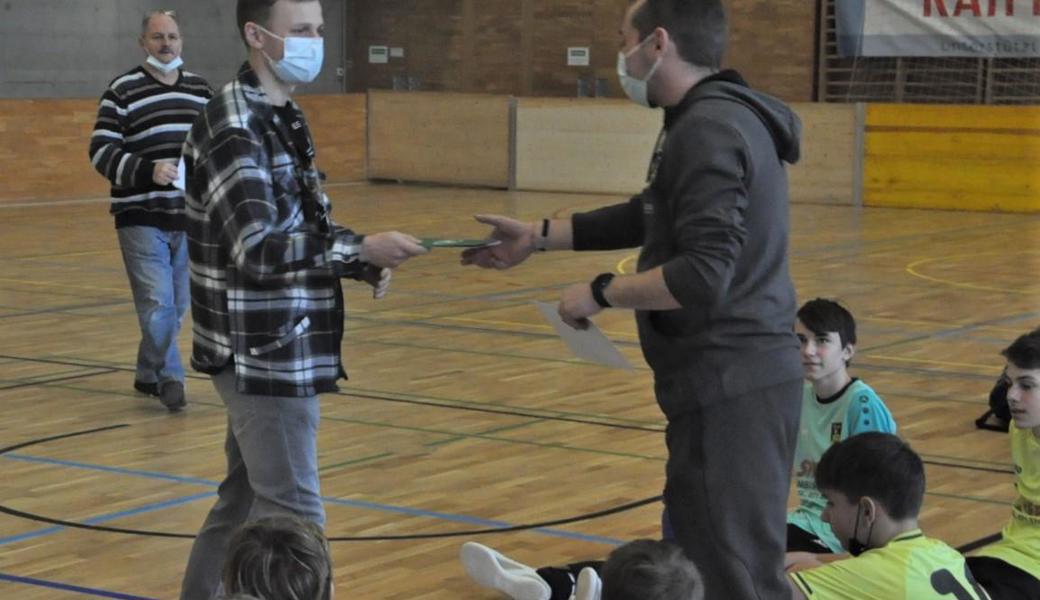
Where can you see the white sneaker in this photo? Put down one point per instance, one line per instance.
(491, 569)
(590, 586)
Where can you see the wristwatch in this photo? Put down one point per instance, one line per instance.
(598, 285)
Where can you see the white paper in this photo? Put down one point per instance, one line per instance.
(179, 182)
(588, 344)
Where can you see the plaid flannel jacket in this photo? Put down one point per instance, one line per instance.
(265, 257)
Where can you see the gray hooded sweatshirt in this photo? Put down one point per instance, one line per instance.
(714, 216)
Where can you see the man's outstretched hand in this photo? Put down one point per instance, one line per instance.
(517, 244)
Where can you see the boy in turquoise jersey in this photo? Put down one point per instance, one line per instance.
(874, 485)
(1010, 568)
(834, 407)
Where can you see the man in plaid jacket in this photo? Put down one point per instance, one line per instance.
(265, 266)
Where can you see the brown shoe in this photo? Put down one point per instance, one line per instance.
(171, 394)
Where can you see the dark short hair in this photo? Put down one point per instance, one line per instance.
(877, 465)
(255, 11)
(822, 316)
(698, 27)
(651, 570)
(239, 597)
(1024, 352)
(279, 558)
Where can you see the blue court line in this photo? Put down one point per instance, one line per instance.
(147, 508)
(54, 585)
(455, 518)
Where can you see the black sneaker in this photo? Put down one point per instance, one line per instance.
(148, 389)
(171, 394)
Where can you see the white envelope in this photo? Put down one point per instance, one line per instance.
(588, 344)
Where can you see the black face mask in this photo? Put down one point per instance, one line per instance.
(855, 546)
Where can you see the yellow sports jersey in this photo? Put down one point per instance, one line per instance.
(1020, 543)
(910, 567)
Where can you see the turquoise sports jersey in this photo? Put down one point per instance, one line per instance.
(857, 409)
(910, 567)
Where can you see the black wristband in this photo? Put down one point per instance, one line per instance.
(598, 285)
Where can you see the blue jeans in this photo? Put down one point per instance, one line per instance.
(157, 265)
(272, 468)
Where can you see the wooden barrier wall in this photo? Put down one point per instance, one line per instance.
(582, 145)
(459, 139)
(43, 150)
(953, 157)
(338, 124)
(604, 146)
(44, 143)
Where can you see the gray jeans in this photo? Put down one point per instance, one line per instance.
(272, 468)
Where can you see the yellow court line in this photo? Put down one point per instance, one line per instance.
(621, 265)
(63, 285)
(911, 269)
(925, 361)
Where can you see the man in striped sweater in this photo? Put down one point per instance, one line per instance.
(143, 118)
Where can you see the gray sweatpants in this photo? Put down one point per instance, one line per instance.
(728, 477)
(272, 468)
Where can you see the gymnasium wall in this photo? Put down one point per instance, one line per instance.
(74, 48)
(519, 47)
(43, 145)
(964, 157)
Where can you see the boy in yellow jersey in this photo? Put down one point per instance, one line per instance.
(1010, 568)
(874, 485)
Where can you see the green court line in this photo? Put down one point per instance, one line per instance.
(346, 390)
(535, 412)
(568, 361)
(455, 436)
(966, 460)
(356, 461)
(969, 498)
(442, 443)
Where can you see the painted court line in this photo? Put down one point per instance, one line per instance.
(65, 587)
(416, 512)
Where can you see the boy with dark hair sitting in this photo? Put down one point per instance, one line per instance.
(1010, 568)
(835, 405)
(874, 485)
(279, 558)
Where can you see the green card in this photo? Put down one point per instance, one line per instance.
(430, 243)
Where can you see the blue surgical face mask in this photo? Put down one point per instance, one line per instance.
(164, 68)
(301, 61)
(636, 89)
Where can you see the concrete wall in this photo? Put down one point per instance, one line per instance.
(73, 48)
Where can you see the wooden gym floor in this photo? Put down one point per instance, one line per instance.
(463, 412)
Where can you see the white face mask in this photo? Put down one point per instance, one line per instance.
(635, 89)
(164, 68)
(301, 61)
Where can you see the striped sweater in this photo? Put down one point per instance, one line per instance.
(141, 121)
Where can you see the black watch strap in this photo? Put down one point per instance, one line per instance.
(599, 284)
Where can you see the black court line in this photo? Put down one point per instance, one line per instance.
(63, 309)
(418, 536)
(25, 384)
(494, 411)
(432, 404)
